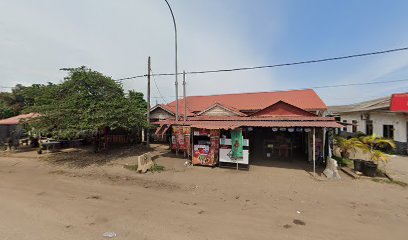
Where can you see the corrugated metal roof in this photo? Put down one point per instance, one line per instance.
(235, 124)
(260, 118)
(375, 104)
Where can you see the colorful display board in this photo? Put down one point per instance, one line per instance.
(180, 139)
(206, 147)
(187, 143)
(232, 149)
(237, 147)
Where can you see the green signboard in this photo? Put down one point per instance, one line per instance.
(237, 147)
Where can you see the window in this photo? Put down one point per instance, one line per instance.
(369, 127)
(345, 126)
(354, 127)
(388, 131)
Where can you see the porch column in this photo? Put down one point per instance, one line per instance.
(324, 143)
(329, 141)
(314, 151)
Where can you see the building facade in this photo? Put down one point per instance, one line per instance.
(283, 125)
(374, 117)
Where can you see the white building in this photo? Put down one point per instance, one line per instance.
(374, 116)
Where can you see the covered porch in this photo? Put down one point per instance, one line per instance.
(265, 142)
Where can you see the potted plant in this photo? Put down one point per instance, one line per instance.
(372, 145)
(348, 146)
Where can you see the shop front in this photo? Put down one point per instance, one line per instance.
(281, 144)
(212, 147)
(241, 143)
(206, 143)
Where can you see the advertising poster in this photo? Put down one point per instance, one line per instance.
(187, 143)
(201, 155)
(237, 146)
(175, 130)
(201, 132)
(181, 138)
(215, 144)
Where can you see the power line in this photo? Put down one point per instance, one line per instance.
(157, 87)
(275, 65)
(359, 84)
(338, 85)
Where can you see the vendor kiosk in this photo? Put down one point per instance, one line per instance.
(180, 140)
(205, 147)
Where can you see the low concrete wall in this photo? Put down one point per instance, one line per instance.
(401, 148)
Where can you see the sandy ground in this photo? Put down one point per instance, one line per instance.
(397, 167)
(41, 199)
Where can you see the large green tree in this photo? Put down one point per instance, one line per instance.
(137, 99)
(84, 103)
(11, 103)
(5, 110)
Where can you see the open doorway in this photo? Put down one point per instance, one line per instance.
(273, 144)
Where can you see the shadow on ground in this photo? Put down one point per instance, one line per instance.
(84, 157)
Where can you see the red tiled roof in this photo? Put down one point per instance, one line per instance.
(172, 109)
(304, 99)
(228, 108)
(282, 108)
(17, 119)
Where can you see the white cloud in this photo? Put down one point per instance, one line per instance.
(389, 67)
(116, 37)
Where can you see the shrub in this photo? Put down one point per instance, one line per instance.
(373, 145)
(157, 168)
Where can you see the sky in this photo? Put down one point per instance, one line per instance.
(40, 37)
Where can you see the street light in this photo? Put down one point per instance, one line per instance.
(176, 73)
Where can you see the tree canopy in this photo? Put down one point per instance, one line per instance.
(85, 102)
(12, 103)
(5, 110)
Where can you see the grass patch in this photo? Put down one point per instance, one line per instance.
(344, 162)
(400, 183)
(154, 168)
(131, 167)
(157, 168)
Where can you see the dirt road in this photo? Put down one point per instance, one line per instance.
(43, 201)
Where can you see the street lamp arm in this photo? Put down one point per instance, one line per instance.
(174, 19)
(176, 70)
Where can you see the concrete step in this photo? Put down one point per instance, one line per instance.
(349, 172)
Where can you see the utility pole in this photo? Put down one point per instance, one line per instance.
(184, 96)
(148, 103)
